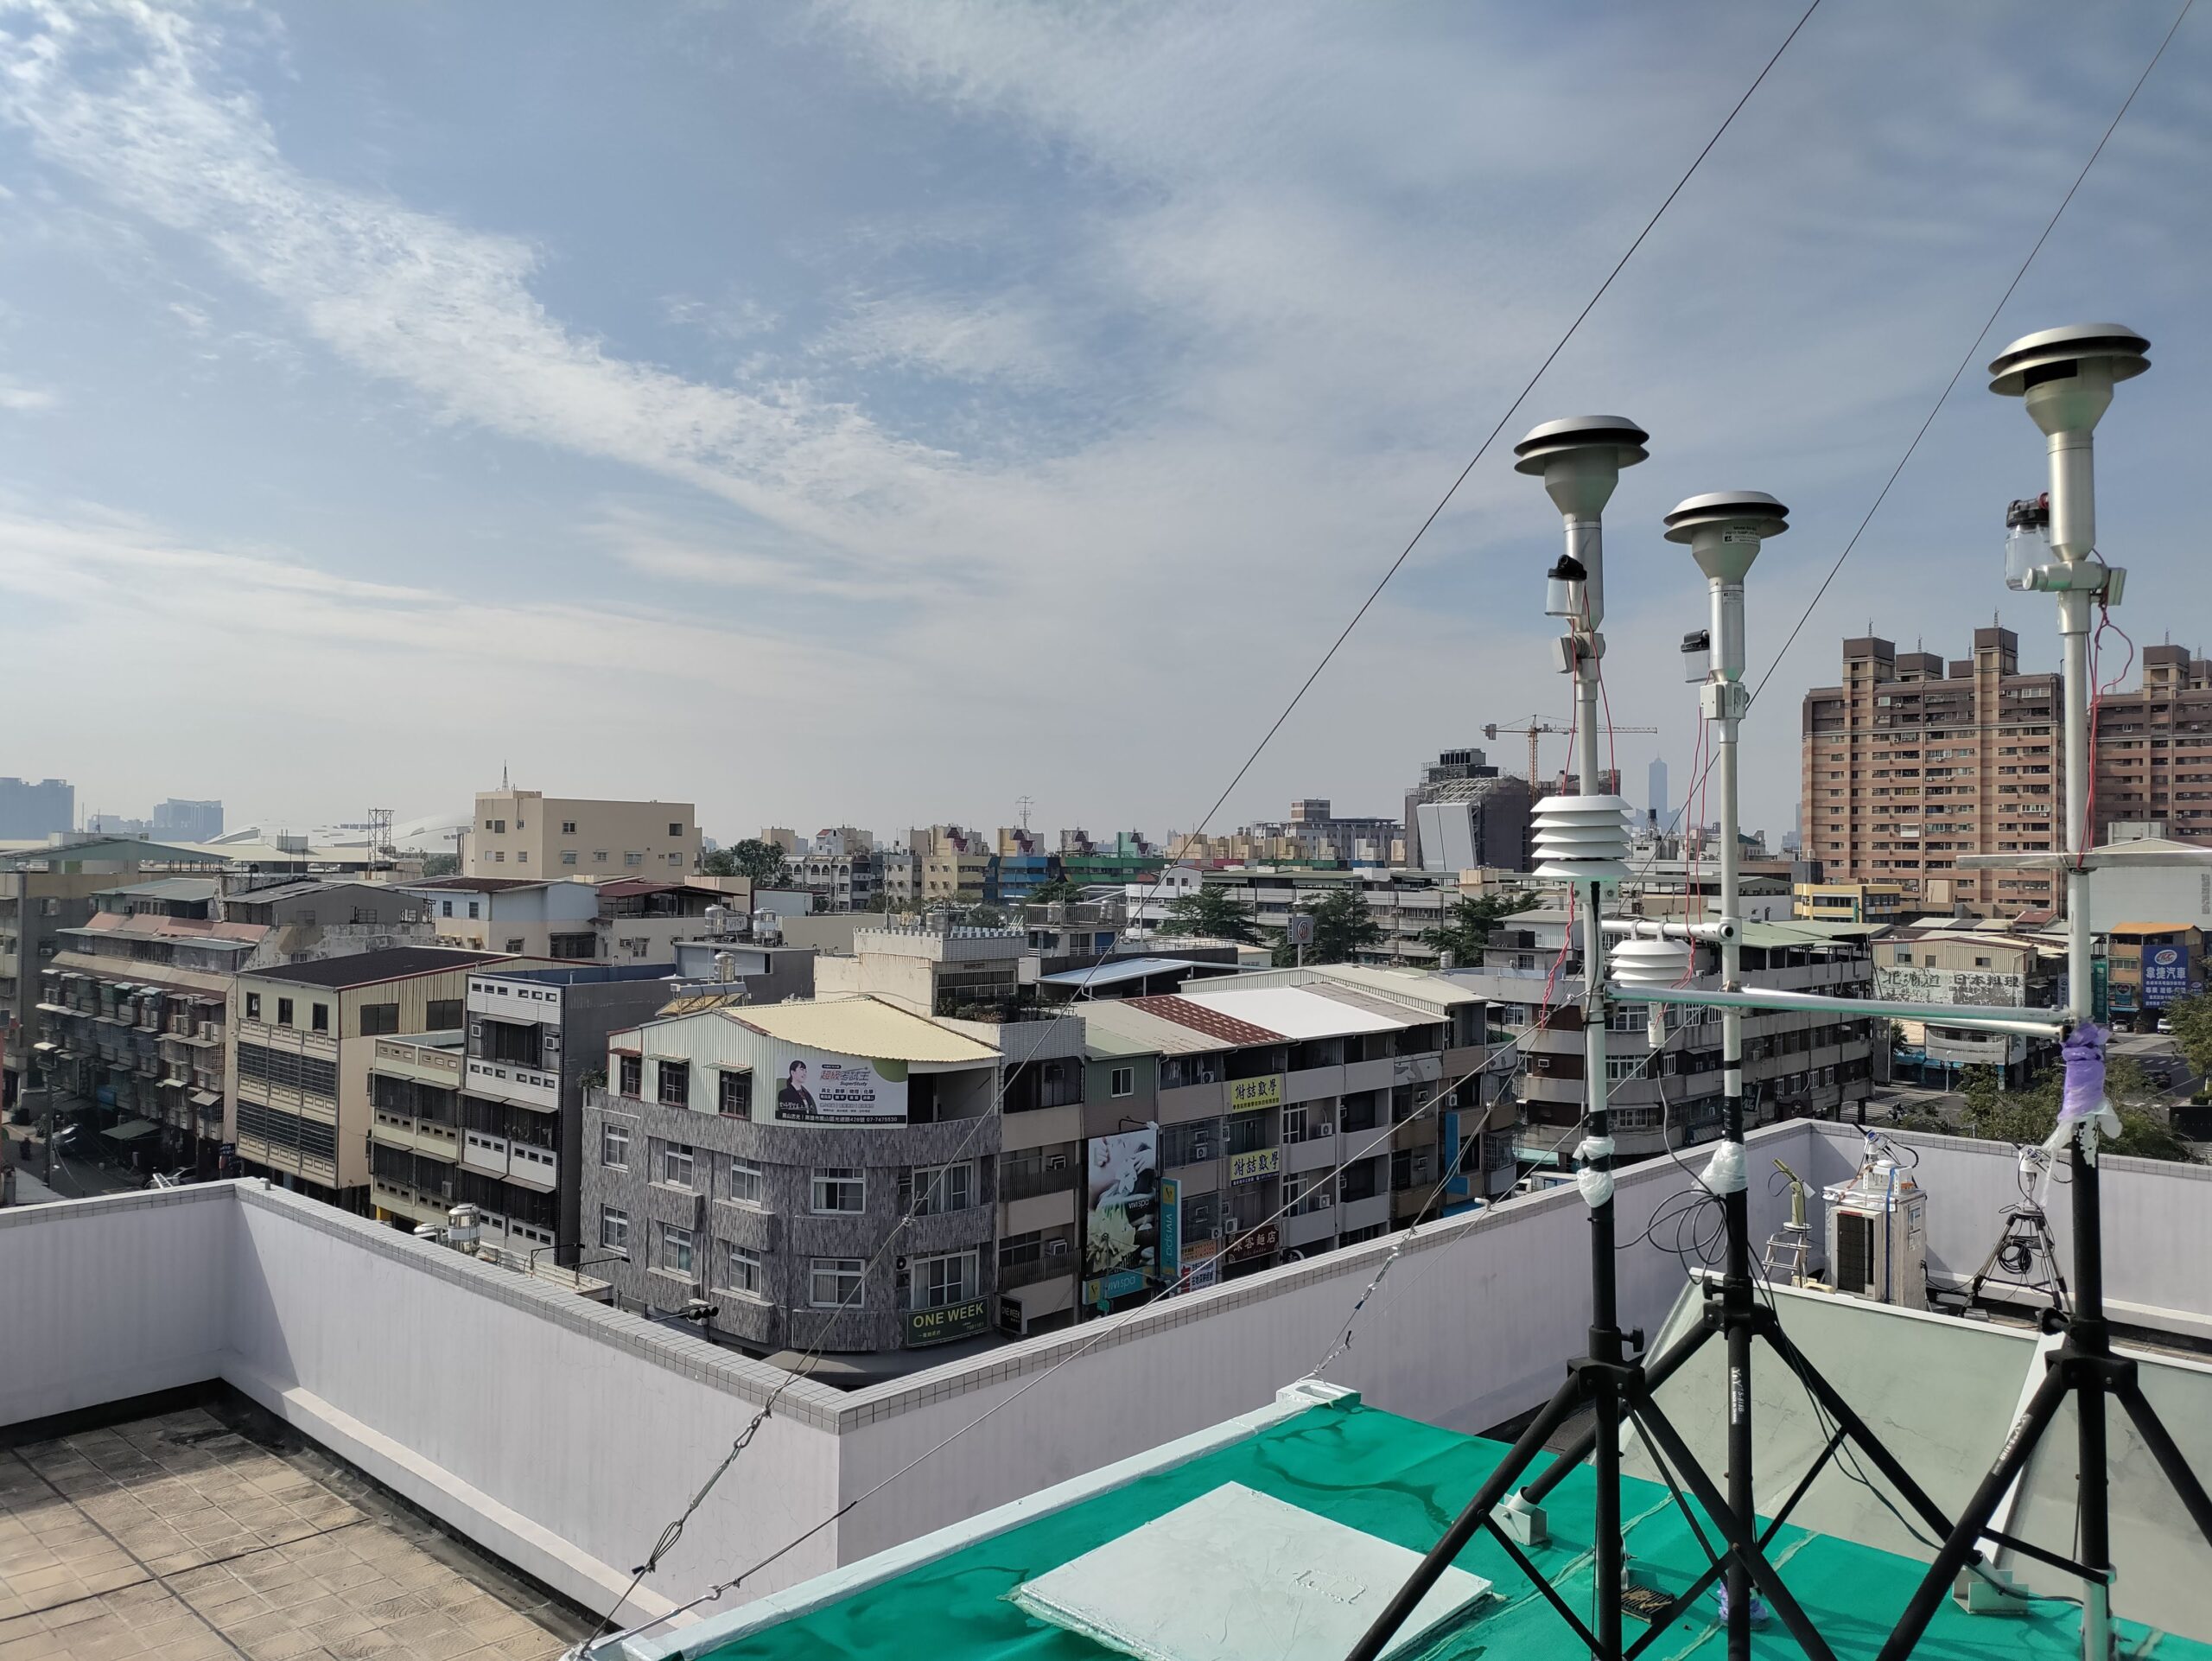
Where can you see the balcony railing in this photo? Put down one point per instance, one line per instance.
(1027, 1181)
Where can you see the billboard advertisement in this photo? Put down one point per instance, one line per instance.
(1120, 1225)
(2165, 973)
(813, 1087)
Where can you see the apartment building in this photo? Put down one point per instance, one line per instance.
(2151, 966)
(759, 1163)
(1847, 902)
(138, 998)
(1912, 761)
(1405, 905)
(536, 917)
(491, 1115)
(178, 820)
(840, 868)
(525, 833)
(302, 1042)
(1213, 1151)
(938, 969)
(1794, 1065)
(1948, 960)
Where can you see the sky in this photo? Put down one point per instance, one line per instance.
(867, 413)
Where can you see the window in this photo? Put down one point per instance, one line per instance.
(675, 1248)
(675, 1165)
(1123, 1082)
(253, 1006)
(445, 907)
(378, 1018)
(939, 1282)
(741, 1270)
(734, 1093)
(599, 856)
(633, 857)
(567, 827)
(499, 858)
(319, 1018)
(284, 1012)
(834, 1283)
(672, 1086)
(567, 857)
(839, 1190)
(475, 907)
(632, 1076)
(614, 1229)
(941, 1188)
(745, 1184)
(522, 857)
(675, 829)
(615, 1146)
(515, 945)
(442, 1015)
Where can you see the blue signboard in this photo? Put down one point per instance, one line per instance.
(2166, 974)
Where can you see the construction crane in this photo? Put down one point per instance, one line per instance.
(1534, 728)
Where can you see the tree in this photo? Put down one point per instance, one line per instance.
(441, 865)
(1465, 929)
(2025, 1117)
(2192, 1024)
(1342, 927)
(1212, 913)
(984, 916)
(1054, 891)
(762, 861)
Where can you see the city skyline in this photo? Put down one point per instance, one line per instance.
(776, 387)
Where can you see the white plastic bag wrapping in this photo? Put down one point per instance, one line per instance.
(1597, 1186)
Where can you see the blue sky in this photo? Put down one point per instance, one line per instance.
(873, 413)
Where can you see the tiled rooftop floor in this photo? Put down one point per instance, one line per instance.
(213, 1532)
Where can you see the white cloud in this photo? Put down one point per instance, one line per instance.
(22, 399)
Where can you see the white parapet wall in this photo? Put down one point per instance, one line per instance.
(564, 1435)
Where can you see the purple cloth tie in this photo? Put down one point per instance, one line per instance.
(2084, 1054)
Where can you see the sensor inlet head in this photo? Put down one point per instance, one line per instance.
(2115, 352)
(1724, 528)
(1579, 459)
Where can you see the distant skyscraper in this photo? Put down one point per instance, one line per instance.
(29, 812)
(1656, 786)
(182, 821)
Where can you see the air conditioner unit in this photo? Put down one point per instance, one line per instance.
(1325, 1130)
(1056, 1248)
(1878, 1235)
(1201, 1150)
(1056, 1162)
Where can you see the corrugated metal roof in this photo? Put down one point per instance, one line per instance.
(1131, 969)
(1218, 1024)
(1298, 1012)
(1120, 1027)
(863, 1026)
(173, 888)
(1767, 936)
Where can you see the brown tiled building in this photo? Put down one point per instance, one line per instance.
(1913, 761)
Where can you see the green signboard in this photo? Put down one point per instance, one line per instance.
(956, 1320)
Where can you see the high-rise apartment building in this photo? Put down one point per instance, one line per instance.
(1914, 761)
(29, 812)
(1655, 791)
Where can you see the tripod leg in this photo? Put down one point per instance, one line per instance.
(1858, 1430)
(2153, 1432)
(1495, 1487)
(1579, 1449)
(1958, 1543)
(1740, 1532)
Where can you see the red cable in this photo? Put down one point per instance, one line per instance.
(2097, 690)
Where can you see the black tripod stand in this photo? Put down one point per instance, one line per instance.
(1617, 1386)
(2083, 1366)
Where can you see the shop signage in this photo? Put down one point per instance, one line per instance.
(1245, 1094)
(955, 1320)
(1250, 1167)
(1254, 1243)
